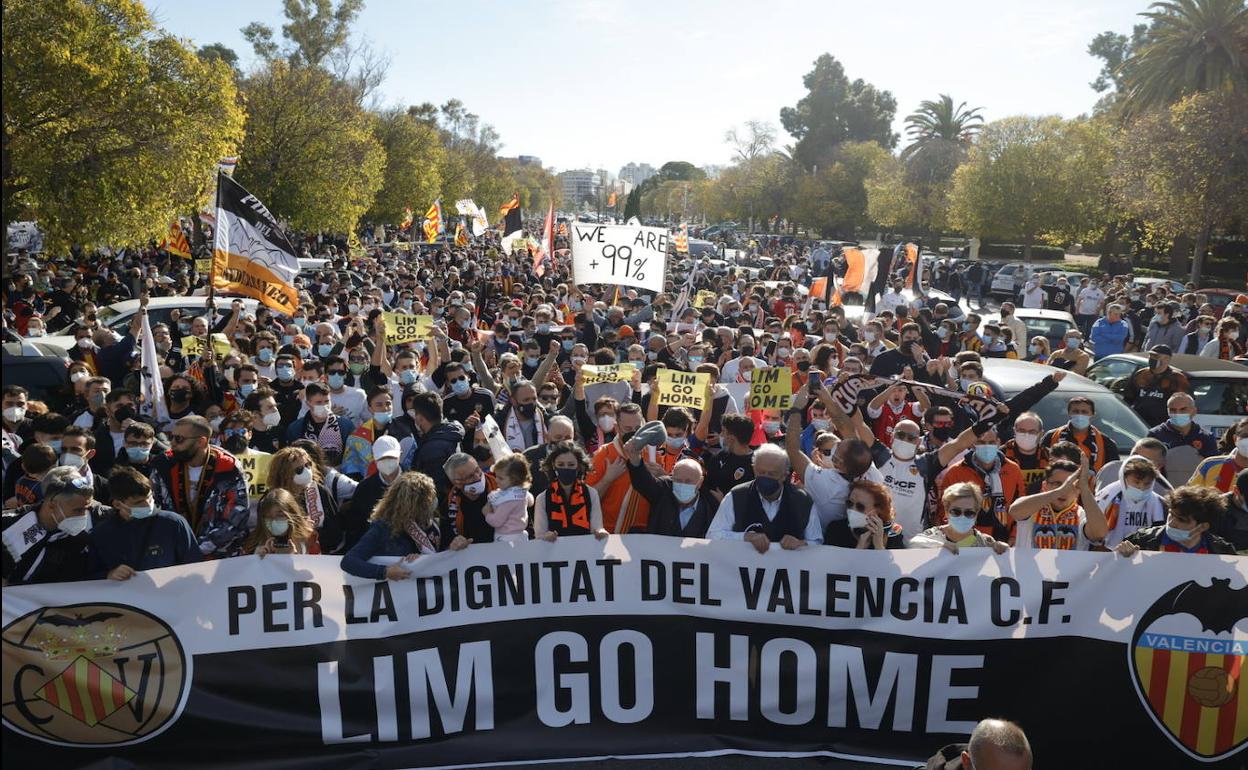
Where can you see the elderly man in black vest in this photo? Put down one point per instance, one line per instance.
(678, 507)
(768, 509)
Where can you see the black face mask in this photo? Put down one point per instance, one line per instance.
(235, 444)
(527, 410)
(567, 476)
(803, 366)
(627, 436)
(123, 413)
(942, 433)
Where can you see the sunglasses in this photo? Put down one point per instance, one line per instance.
(905, 436)
(176, 439)
(966, 512)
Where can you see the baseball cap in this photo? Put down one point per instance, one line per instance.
(386, 446)
(1161, 350)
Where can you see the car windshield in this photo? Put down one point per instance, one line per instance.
(1110, 369)
(1114, 418)
(1220, 396)
(1053, 328)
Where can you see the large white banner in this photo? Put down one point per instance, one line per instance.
(626, 255)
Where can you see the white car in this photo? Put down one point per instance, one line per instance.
(1050, 324)
(1009, 280)
(159, 310)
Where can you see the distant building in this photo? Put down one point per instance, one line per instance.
(579, 186)
(636, 173)
(529, 160)
(713, 172)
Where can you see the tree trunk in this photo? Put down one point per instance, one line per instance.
(1178, 254)
(1027, 248)
(1109, 247)
(1198, 254)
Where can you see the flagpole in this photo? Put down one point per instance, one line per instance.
(212, 269)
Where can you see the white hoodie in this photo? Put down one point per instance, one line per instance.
(1125, 516)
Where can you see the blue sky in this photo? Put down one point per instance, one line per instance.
(599, 83)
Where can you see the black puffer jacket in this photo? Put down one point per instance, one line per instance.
(432, 450)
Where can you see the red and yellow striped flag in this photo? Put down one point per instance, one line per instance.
(433, 221)
(682, 239)
(407, 219)
(461, 235)
(86, 692)
(175, 241)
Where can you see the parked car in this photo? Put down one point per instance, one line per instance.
(1219, 298)
(1009, 280)
(1175, 287)
(1008, 377)
(1219, 387)
(1049, 277)
(159, 310)
(40, 368)
(1050, 324)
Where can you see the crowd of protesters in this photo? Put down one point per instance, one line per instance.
(487, 430)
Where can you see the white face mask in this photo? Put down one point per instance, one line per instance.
(272, 419)
(903, 450)
(1026, 441)
(319, 411)
(1241, 446)
(857, 519)
(15, 413)
(388, 466)
(303, 478)
(71, 460)
(476, 487)
(74, 525)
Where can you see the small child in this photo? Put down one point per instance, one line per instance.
(507, 508)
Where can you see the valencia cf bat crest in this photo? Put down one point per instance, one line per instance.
(1187, 658)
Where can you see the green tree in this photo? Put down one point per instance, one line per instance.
(1191, 46)
(1115, 51)
(1185, 169)
(414, 159)
(111, 125)
(219, 52)
(893, 202)
(632, 207)
(833, 200)
(310, 153)
(940, 135)
(315, 29)
(836, 110)
(537, 186)
(1017, 182)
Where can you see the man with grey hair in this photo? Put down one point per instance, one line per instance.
(768, 509)
(560, 429)
(48, 542)
(995, 744)
(464, 504)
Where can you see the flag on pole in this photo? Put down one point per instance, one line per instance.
(510, 213)
(682, 239)
(175, 241)
(548, 242)
(611, 199)
(407, 219)
(461, 234)
(153, 388)
(433, 221)
(251, 255)
(354, 247)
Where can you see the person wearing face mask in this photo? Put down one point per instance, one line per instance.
(282, 527)
(139, 446)
(1200, 332)
(16, 426)
(523, 420)
(1027, 452)
(768, 509)
(1064, 515)
(1131, 503)
(678, 507)
(137, 536)
(1098, 446)
(1233, 525)
(1165, 330)
(1149, 389)
(1194, 514)
(349, 401)
(962, 503)
(1225, 344)
(386, 454)
(267, 433)
(560, 429)
(733, 465)
(235, 435)
(1032, 295)
(407, 524)
(1219, 471)
(466, 499)
(1071, 356)
(49, 542)
(357, 459)
(95, 392)
(204, 484)
(1111, 333)
(320, 424)
(998, 478)
(293, 470)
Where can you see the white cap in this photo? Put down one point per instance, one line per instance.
(386, 446)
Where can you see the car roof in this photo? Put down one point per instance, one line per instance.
(1034, 312)
(1189, 364)
(1014, 375)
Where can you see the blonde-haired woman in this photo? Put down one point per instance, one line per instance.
(1038, 351)
(963, 503)
(281, 527)
(406, 523)
(293, 470)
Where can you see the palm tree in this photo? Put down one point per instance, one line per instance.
(939, 122)
(1191, 46)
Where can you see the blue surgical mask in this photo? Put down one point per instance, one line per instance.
(531, 361)
(568, 344)
(336, 381)
(407, 376)
(684, 492)
(1135, 494)
(324, 349)
(460, 387)
(1035, 350)
(1180, 420)
(305, 353)
(676, 443)
(246, 389)
(1178, 535)
(288, 339)
(986, 453)
(286, 373)
(1080, 421)
(300, 321)
(381, 418)
(55, 444)
(966, 383)
(696, 360)
(962, 524)
(265, 355)
(942, 332)
(138, 454)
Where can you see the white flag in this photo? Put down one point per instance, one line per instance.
(479, 222)
(153, 387)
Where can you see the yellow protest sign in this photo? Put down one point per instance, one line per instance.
(595, 375)
(194, 346)
(401, 328)
(687, 389)
(771, 388)
(705, 299)
(203, 265)
(255, 469)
